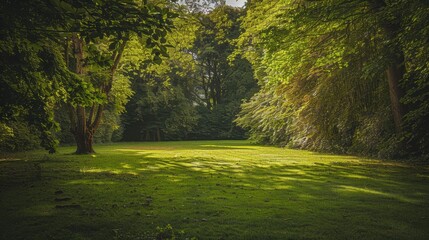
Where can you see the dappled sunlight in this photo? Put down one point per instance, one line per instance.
(279, 187)
(107, 170)
(155, 166)
(91, 182)
(9, 159)
(195, 185)
(297, 171)
(356, 176)
(298, 179)
(40, 210)
(277, 169)
(202, 169)
(175, 179)
(133, 151)
(126, 165)
(127, 150)
(223, 147)
(353, 189)
(423, 176)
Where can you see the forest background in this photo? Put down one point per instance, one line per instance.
(338, 76)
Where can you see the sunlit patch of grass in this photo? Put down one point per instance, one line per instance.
(359, 190)
(211, 190)
(91, 182)
(107, 170)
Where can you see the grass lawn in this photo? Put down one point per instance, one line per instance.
(210, 190)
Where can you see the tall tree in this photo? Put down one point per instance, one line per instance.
(162, 104)
(34, 76)
(335, 65)
(223, 81)
(115, 21)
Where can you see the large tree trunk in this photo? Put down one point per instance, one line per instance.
(80, 130)
(83, 129)
(84, 141)
(396, 70)
(83, 125)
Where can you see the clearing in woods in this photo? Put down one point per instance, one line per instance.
(210, 190)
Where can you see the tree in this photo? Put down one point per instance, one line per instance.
(34, 76)
(223, 82)
(110, 127)
(115, 21)
(162, 104)
(35, 31)
(335, 67)
(158, 112)
(197, 91)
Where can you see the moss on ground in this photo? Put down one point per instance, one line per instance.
(210, 190)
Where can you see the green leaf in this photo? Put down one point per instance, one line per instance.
(157, 59)
(113, 45)
(149, 43)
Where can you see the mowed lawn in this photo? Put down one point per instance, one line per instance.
(210, 190)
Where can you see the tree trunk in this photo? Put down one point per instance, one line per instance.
(82, 133)
(83, 126)
(158, 135)
(394, 75)
(84, 141)
(395, 71)
(147, 138)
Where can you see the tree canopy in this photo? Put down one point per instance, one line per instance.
(331, 70)
(46, 41)
(345, 76)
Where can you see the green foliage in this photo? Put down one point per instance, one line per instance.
(194, 93)
(223, 82)
(162, 105)
(63, 134)
(5, 132)
(165, 233)
(35, 54)
(110, 128)
(30, 84)
(18, 137)
(158, 111)
(322, 72)
(413, 39)
(266, 114)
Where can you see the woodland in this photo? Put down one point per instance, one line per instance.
(335, 76)
(195, 119)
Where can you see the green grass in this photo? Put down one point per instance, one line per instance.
(210, 190)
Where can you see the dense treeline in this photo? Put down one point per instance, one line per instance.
(342, 76)
(195, 93)
(119, 70)
(347, 76)
(68, 52)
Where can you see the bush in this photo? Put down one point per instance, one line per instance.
(18, 136)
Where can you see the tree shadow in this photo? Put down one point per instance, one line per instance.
(217, 198)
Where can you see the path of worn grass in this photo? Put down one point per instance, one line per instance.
(211, 190)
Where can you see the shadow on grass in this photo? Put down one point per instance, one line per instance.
(216, 199)
(194, 147)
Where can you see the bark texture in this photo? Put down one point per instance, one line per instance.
(395, 74)
(84, 124)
